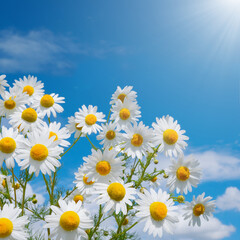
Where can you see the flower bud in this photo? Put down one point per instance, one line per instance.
(34, 201)
(142, 190)
(155, 161)
(105, 233)
(34, 196)
(180, 198)
(165, 175)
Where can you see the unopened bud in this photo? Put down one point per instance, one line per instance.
(125, 222)
(180, 198)
(16, 186)
(105, 233)
(142, 190)
(154, 179)
(165, 175)
(34, 201)
(87, 231)
(155, 161)
(34, 196)
(4, 183)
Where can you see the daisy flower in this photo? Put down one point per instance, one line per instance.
(10, 141)
(3, 83)
(82, 182)
(68, 221)
(31, 86)
(156, 208)
(40, 153)
(26, 120)
(115, 195)
(109, 135)
(59, 134)
(199, 207)
(137, 140)
(87, 118)
(122, 94)
(73, 128)
(169, 135)
(12, 101)
(48, 104)
(104, 166)
(183, 174)
(125, 112)
(77, 195)
(12, 227)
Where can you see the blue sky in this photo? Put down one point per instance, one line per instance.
(182, 57)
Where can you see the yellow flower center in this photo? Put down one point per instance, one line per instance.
(39, 152)
(125, 222)
(103, 168)
(124, 114)
(51, 134)
(137, 140)
(29, 115)
(69, 221)
(110, 135)
(78, 198)
(6, 227)
(10, 104)
(7, 145)
(29, 90)
(121, 96)
(158, 211)
(47, 101)
(116, 191)
(170, 136)
(154, 179)
(90, 119)
(78, 128)
(4, 183)
(183, 173)
(198, 209)
(86, 182)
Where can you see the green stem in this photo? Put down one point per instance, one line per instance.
(71, 146)
(97, 224)
(109, 115)
(14, 187)
(91, 142)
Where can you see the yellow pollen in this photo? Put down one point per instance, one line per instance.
(116, 191)
(158, 211)
(125, 222)
(154, 179)
(4, 183)
(39, 152)
(198, 209)
(78, 198)
(103, 168)
(29, 115)
(69, 221)
(10, 104)
(6, 227)
(78, 128)
(7, 145)
(47, 101)
(170, 136)
(110, 135)
(183, 173)
(51, 134)
(86, 182)
(137, 140)
(29, 90)
(90, 119)
(124, 114)
(121, 96)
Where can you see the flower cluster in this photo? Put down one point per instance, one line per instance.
(32, 143)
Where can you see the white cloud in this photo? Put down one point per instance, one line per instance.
(41, 51)
(230, 200)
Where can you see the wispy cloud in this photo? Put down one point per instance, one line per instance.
(41, 51)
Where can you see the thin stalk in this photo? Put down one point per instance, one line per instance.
(91, 142)
(71, 146)
(14, 187)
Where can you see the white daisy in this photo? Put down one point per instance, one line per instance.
(31, 86)
(12, 227)
(59, 134)
(48, 104)
(170, 136)
(73, 128)
(122, 94)
(82, 182)
(137, 140)
(104, 166)
(40, 153)
(3, 83)
(183, 174)
(87, 118)
(68, 221)
(109, 135)
(10, 141)
(77, 195)
(125, 112)
(199, 207)
(156, 208)
(26, 120)
(12, 101)
(115, 195)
